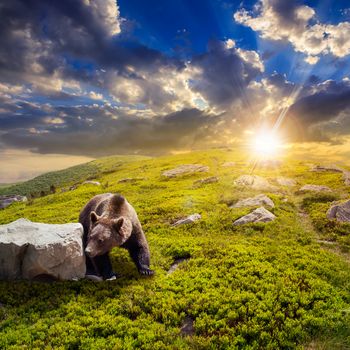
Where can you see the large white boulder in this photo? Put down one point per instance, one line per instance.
(30, 250)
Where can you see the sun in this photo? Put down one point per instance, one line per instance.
(266, 143)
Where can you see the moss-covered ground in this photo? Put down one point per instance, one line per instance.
(257, 286)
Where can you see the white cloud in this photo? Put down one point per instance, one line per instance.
(108, 12)
(292, 23)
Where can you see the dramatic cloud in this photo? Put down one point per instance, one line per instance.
(75, 79)
(287, 20)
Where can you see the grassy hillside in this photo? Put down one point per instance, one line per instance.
(69, 176)
(278, 285)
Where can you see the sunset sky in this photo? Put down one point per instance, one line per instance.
(87, 78)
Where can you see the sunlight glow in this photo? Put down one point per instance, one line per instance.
(266, 143)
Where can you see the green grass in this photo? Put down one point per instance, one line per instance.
(66, 177)
(258, 286)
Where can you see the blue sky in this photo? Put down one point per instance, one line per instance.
(87, 78)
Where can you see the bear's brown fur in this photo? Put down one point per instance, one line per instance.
(109, 221)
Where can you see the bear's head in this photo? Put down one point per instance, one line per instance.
(106, 233)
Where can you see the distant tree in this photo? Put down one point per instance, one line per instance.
(52, 189)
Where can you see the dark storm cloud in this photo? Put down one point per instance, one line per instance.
(54, 33)
(103, 135)
(330, 99)
(225, 74)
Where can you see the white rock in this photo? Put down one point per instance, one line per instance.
(96, 183)
(315, 188)
(340, 212)
(189, 220)
(186, 169)
(258, 215)
(7, 200)
(285, 181)
(29, 250)
(255, 182)
(258, 200)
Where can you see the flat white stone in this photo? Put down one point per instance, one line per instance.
(258, 215)
(186, 169)
(315, 188)
(188, 220)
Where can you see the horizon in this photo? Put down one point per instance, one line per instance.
(85, 79)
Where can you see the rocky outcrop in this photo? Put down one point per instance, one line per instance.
(255, 182)
(207, 180)
(259, 200)
(340, 212)
(286, 181)
(186, 169)
(7, 200)
(30, 250)
(314, 188)
(258, 215)
(188, 220)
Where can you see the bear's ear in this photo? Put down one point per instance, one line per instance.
(123, 226)
(94, 217)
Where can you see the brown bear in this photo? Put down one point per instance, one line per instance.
(109, 221)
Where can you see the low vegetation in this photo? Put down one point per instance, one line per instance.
(257, 286)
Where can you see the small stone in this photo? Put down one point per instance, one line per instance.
(30, 250)
(258, 215)
(176, 264)
(285, 181)
(323, 168)
(96, 183)
(7, 200)
(130, 179)
(258, 200)
(187, 328)
(186, 169)
(229, 164)
(188, 220)
(340, 212)
(255, 182)
(207, 180)
(315, 188)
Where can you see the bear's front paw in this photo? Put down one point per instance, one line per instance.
(145, 271)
